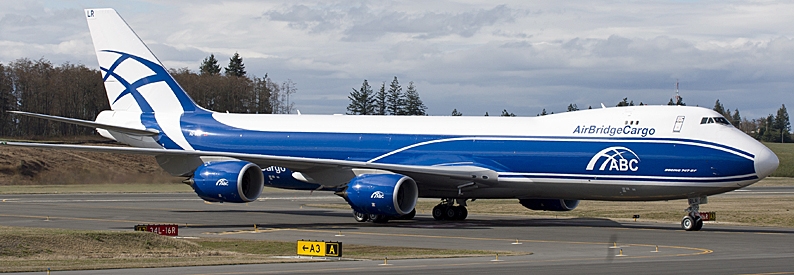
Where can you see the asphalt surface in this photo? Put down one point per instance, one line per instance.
(558, 245)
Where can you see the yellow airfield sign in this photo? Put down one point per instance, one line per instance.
(319, 249)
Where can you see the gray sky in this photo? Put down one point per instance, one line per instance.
(476, 56)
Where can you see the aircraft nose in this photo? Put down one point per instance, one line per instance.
(766, 162)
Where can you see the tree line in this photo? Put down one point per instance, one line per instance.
(772, 128)
(76, 91)
(391, 101)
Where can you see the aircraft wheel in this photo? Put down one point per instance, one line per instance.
(463, 213)
(409, 216)
(689, 223)
(698, 223)
(439, 212)
(360, 217)
(378, 218)
(451, 213)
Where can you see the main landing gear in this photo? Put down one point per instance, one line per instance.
(446, 210)
(376, 218)
(692, 221)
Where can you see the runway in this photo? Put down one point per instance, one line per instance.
(558, 245)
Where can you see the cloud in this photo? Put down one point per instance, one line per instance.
(475, 56)
(361, 23)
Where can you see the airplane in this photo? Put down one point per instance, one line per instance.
(381, 165)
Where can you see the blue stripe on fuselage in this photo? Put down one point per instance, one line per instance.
(656, 157)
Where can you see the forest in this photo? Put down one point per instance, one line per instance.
(76, 91)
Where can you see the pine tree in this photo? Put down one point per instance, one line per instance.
(783, 124)
(572, 107)
(769, 132)
(719, 108)
(362, 101)
(7, 100)
(210, 66)
(680, 101)
(380, 100)
(413, 104)
(395, 100)
(506, 113)
(736, 118)
(625, 102)
(456, 113)
(236, 66)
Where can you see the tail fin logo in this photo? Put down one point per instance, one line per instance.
(132, 86)
(616, 158)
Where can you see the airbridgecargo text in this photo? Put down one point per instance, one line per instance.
(611, 131)
(276, 169)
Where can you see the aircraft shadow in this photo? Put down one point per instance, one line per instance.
(327, 219)
(313, 212)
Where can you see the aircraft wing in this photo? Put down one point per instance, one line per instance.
(92, 124)
(446, 175)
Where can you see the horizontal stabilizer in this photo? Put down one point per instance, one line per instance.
(92, 124)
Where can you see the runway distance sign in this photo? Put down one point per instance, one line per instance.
(319, 249)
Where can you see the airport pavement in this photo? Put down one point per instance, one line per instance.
(558, 245)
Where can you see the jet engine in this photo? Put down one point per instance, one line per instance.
(549, 204)
(228, 181)
(382, 194)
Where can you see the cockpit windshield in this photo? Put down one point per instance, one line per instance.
(718, 120)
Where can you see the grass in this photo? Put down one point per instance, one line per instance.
(274, 248)
(106, 188)
(785, 153)
(96, 188)
(36, 249)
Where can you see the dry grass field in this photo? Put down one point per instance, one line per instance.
(36, 249)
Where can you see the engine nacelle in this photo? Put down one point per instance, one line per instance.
(228, 181)
(549, 204)
(382, 194)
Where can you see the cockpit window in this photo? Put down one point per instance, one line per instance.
(718, 120)
(721, 120)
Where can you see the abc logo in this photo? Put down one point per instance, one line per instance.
(616, 158)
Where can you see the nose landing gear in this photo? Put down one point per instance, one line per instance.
(692, 221)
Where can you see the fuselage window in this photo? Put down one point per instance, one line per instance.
(722, 120)
(704, 120)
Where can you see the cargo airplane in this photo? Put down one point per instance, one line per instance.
(381, 165)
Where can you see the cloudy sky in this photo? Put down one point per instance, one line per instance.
(476, 56)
